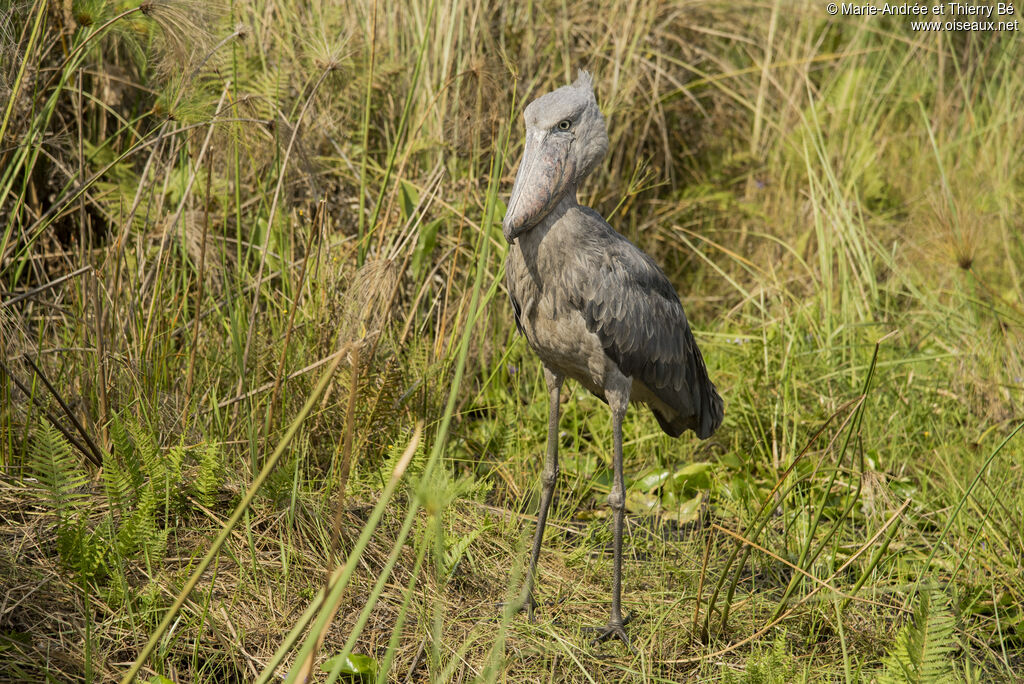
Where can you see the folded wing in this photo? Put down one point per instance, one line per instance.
(629, 303)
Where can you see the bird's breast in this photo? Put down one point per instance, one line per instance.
(555, 329)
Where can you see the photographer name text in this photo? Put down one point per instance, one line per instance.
(954, 16)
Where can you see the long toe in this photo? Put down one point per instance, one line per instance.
(615, 629)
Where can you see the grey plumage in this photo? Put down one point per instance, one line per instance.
(591, 304)
(584, 269)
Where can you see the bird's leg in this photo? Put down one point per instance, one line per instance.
(618, 401)
(548, 478)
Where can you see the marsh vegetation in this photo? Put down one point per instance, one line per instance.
(256, 342)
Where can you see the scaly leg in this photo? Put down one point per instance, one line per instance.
(618, 401)
(548, 478)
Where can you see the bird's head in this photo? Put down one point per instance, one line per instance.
(565, 140)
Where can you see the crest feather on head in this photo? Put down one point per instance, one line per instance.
(584, 80)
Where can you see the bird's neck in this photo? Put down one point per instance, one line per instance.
(531, 242)
(565, 204)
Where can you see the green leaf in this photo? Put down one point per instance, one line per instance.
(924, 648)
(353, 664)
(693, 477)
(731, 461)
(425, 247)
(652, 480)
(409, 197)
(686, 512)
(638, 502)
(454, 553)
(500, 209)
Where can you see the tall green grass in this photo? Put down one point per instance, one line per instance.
(266, 413)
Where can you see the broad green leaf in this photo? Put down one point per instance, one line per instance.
(354, 664)
(651, 480)
(640, 502)
(687, 512)
(409, 198)
(692, 477)
(425, 247)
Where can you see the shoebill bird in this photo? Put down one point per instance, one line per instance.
(593, 306)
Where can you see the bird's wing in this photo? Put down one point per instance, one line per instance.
(512, 265)
(517, 312)
(629, 303)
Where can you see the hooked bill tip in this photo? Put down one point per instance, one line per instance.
(510, 229)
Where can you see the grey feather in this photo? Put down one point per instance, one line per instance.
(629, 303)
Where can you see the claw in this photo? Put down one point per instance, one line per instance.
(614, 629)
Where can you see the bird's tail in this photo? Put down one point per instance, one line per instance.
(712, 410)
(707, 405)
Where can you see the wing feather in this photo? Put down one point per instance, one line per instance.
(629, 303)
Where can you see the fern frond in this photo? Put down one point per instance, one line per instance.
(454, 553)
(60, 478)
(172, 489)
(394, 455)
(152, 465)
(209, 476)
(925, 646)
(126, 437)
(80, 548)
(139, 527)
(119, 438)
(117, 483)
(767, 665)
(63, 485)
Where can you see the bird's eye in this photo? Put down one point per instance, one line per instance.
(564, 125)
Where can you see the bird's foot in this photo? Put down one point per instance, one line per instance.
(614, 629)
